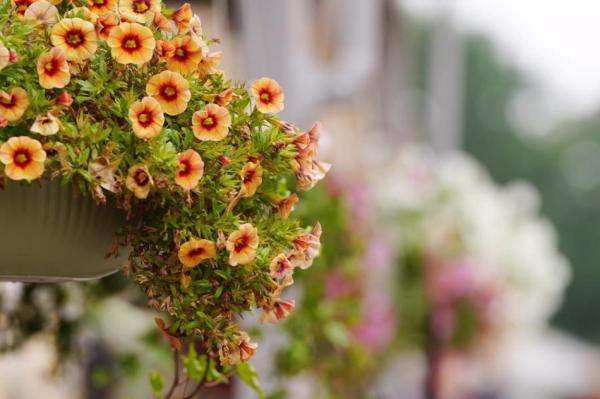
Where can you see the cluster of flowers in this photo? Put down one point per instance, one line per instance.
(126, 98)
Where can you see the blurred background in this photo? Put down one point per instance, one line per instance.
(461, 96)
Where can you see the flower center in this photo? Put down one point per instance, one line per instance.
(169, 92)
(22, 158)
(144, 117)
(241, 243)
(99, 2)
(6, 100)
(49, 67)
(141, 178)
(45, 120)
(184, 168)
(208, 122)
(140, 7)
(75, 39)
(180, 52)
(265, 96)
(131, 44)
(249, 176)
(196, 252)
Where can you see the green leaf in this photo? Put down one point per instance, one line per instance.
(248, 374)
(195, 366)
(157, 383)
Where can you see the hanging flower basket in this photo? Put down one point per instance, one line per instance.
(52, 233)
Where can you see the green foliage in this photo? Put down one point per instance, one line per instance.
(248, 374)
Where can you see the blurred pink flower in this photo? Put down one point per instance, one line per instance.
(337, 286)
(378, 325)
(378, 255)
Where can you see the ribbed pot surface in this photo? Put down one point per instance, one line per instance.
(52, 233)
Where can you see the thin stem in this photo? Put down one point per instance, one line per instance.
(176, 375)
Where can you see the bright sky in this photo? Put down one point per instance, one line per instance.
(555, 41)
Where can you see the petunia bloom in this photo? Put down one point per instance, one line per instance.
(162, 22)
(23, 158)
(131, 43)
(268, 95)
(212, 123)
(182, 17)
(41, 12)
(279, 311)
(3, 122)
(247, 349)
(139, 10)
(13, 105)
(193, 252)
(100, 7)
(4, 56)
(251, 174)
(64, 99)
(190, 170)
(164, 49)
(139, 181)
(306, 248)
(281, 267)
(20, 6)
(208, 64)
(186, 57)
(242, 245)
(147, 118)
(171, 90)
(53, 69)
(76, 37)
(46, 125)
(105, 24)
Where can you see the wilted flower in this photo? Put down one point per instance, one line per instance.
(208, 64)
(189, 170)
(139, 181)
(242, 245)
(247, 348)
(196, 26)
(76, 37)
(182, 17)
(171, 90)
(23, 158)
(269, 96)
(193, 252)
(212, 123)
(251, 178)
(131, 43)
(279, 311)
(46, 125)
(13, 105)
(186, 56)
(53, 69)
(103, 171)
(146, 118)
(165, 49)
(64, 99)
(306, 248)
(41, 12)
(105, 24)
(224, 98)
(286, 205)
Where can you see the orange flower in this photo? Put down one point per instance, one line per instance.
(105, 24)
(269, 96)
(182, 17)
(20, 6)
(146, 118)
(4, 56)
(208, 65)
(162, 22)
(242, 245)
(165, 49)
(281, 267)
(279, 311)
(186, 57)
(247, 349)
(100, 7)
(76, 37)
(212, 123)
(286, 205)
(46, 125)
(41, 12)
(23, 158)
(139, 181)
(13, 105)
(64, 99)
(53, 69)
(306, 248)
(252, 174)
(139, 10)
(193, 252)
(225, 97)
(190, 169)
(171, 90)
(131, 43)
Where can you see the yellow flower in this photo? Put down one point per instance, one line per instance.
(190, 169)
(212, 123)
(139, 10)
(208, 65)
(182, 17)
(139, 181)
(193, 252)
(41, 12)
(53, 69)
(186, 56)
(131, 43)
(242, 245)
(20, 6)
(100, 7)
(146, 118)
(4, 56)
(13, 105)
(105, 24)
(251, 178)
(76, 37)
(269, 96)
(171, 90)
(23, 158)
(46, 125)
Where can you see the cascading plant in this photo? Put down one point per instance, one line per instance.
(124, 100)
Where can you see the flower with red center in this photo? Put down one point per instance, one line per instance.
(164, 49)
(193, 252)
(13, 105)
(251, 174)
(139, 181)
(76, 37)
(46, 125)
(53, 69)
(131, 43)
(281, 267)
(23, 158)
(182, 17)
(208, 64)
(269, 96)
(4, 56)
(20, 6)
(105, 24)
(212, 123)
(242, 245)
(286, 205)
(279, 311)
(100, 7)
(41, 12)
(64, 99)
(139, 10)
(186, 56)
(146, 118)
(190, 170)
(171, 90)
(306, 248)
